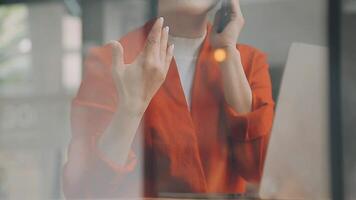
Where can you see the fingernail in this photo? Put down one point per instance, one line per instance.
(166, 29)
(172, 47)
(114, 43)
(160, 19)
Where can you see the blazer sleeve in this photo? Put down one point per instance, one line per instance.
(87, 172)
(250, 132)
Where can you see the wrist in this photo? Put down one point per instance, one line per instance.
(224, 45)
(226, 54)
(135, 109)
(231, 49)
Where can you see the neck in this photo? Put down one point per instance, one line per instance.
(184, 25)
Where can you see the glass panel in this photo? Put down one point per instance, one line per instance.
(98, 103)
(15, 50)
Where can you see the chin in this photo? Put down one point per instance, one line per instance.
(188, 7)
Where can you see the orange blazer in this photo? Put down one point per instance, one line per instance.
(210, 149)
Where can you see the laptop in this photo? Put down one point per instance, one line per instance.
(297, 160)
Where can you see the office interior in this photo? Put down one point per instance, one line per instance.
(43, 44)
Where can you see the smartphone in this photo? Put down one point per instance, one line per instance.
(224, 15)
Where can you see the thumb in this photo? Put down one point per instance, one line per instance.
(117, 54)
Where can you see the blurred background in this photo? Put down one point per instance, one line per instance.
(42, 44)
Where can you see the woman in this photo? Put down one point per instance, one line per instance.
(197, 124)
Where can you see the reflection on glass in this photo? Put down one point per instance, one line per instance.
(15, 49)
(138, 116)
(40, 66)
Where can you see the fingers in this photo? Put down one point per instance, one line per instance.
(236, 9)
(164, 42)
(117, 54)
(154, 38)
(169, 56)
(157, 49)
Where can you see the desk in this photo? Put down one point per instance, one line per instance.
(194, 196)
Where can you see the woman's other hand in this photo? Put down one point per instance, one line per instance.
(231, 32)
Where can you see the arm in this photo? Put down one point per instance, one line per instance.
(99, 156)
(88, 173)
(237, 89)
(117, 146)
(136, 84)
(248, 102)
(250, 131)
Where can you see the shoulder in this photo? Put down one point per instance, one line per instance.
(252, 58)
(248, 51)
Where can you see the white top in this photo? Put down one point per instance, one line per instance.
(186, 51)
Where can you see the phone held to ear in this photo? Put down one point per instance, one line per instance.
(224, 15)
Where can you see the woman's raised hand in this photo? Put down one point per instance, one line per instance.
(138, 81)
